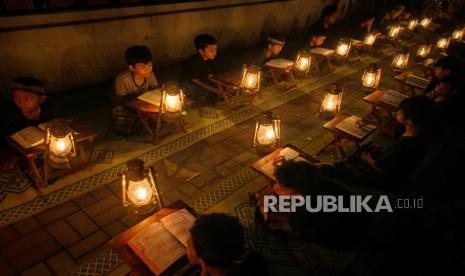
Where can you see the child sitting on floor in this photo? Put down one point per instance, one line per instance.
(130, 84)
(28, 108)
(199, 68)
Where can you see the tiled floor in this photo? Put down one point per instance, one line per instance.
(58, 239)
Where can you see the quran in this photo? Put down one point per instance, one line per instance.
(266, 164)
(164, 242)
(322, 51)
(30, 136)
(392, 98)
(151, 97)
(349, 126)
(417, 81)
(280, 63)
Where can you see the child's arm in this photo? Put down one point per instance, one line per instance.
(205, 86)
(366, 157)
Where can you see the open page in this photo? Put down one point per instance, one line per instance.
(322, 51)
(349, 125)
(417, 81)
(157, 247)
(266, 165)
(280, 63)
(392, 98)
(178, 224)
(29, 137)
(152, 97)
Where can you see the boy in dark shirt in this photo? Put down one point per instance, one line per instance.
(393, 167)
(326, 22)
(334, 230)
(217, 246)
(316, 37)
(444, 68)
(200, 67)
(29, 107)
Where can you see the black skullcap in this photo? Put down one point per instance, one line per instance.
(28, 84)
(276, 38)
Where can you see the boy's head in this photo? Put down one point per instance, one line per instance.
(139, 60)
(28, 93)
(317, 36)
(295, 177)
(275, 43)
(216, 241)
(417, 110)
(446, 66)
(206, 46)
(329, 14)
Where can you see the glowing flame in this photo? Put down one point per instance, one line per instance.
(251, 81)
(60, 145)
(172, 103)
(369, 79)
(343, 49)
(412, 24)
(266, 135)
(442, 43)
(370, 39)
(141, 193)
(425, 22)
(457, 34)
(303, 64)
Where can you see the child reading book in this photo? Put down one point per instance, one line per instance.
(28, 106)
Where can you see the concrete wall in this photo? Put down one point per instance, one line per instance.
(69, 50)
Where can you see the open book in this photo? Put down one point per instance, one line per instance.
(349, 126)
(30, 136)
(266, 164)
(152, 97)
(280, 63)
(417, 81)
(356, 42)
(164, 242)
(322, 51)
(392, 98)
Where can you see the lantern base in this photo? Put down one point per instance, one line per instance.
(265, 149)
(300, 75)
(369, 89)
(327, 116)
(144, 209)
(60, 162)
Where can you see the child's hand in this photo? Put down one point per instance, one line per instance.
(366, 157)
(360, 123)
(278, 161)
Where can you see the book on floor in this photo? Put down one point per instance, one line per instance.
(356, 42)
(392, 98)
(280, 63)
(152, 97)
(266, 164)
(164, 242)
(417, 81)
(30, 136)
(349, 125)
(322, 51)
